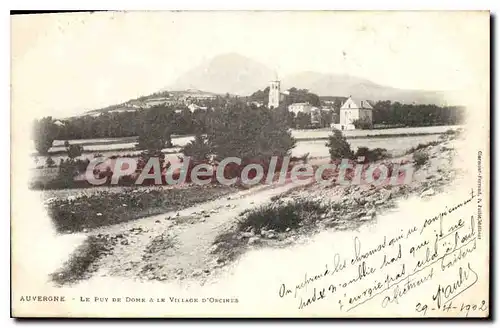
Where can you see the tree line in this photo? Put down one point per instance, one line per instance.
(396, 113)
(116, 125)
(156, 125)
(251, 133)
(294, 95)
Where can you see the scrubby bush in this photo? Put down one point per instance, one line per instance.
(362, 124)
(371, 155)
(106, 208)
(420, 157)
(50, 162)
(338, 147)
(146, 155)
(198, 149)
(81, 164)
(69, 169)
(422, 146)
(303, 120)
(73, 151)
(280, 216)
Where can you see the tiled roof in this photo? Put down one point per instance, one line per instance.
(359, 103)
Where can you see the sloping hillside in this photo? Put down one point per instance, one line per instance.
(240, 75)
(229, 73)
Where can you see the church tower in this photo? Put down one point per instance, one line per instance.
(274, 94)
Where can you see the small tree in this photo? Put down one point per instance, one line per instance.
(303, 120)
(420, 157)
(73, 151)
(338, 146)
(45, 132)
(50, 162)
(155, 132)
(252, 134)
(67, 171)
(326, 118)
(198, 149)
(72, 166)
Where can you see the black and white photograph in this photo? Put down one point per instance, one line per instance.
(270, 164)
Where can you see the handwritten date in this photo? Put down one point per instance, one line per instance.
(462, 308)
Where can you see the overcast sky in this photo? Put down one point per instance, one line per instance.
(63, 64)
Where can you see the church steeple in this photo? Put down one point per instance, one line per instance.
(274, 94)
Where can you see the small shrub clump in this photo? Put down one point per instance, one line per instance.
(420, 157)
(49, 162)
(280, 216)
(159, 246)
(371, 155)
(422, 146)
(362, 124)
(68, 170)
(198, 149)
(338, 147)
(105, 208)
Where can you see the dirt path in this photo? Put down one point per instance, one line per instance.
(177, 244)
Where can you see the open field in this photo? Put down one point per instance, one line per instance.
(395, 146)
(308, 141)
(316, 148)
(128, 143)
(352, 134)
(98, 141)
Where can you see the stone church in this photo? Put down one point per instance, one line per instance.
(275, 95)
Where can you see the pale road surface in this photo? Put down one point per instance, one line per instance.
(193, 239)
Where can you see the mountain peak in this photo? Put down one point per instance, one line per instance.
(226, 73)
(239, 75)
(229, 56)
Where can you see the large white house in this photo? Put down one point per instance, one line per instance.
(194, 107)
(300, 108)
(354, 109)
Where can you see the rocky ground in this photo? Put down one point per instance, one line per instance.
(197, 242)
(108, 206)
(189, 234)
(342, 207)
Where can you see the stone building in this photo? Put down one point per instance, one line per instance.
(354, 109)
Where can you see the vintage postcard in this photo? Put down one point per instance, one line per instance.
(277, 164)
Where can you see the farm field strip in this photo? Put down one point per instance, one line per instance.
(322, 133)
(125, 143)
(97, 141)
(115, 144)
(315, 148)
